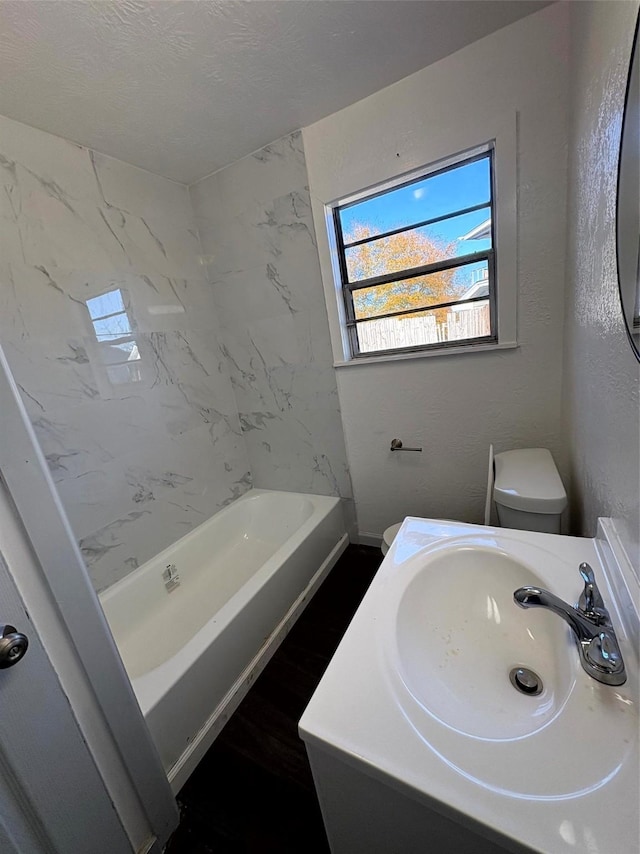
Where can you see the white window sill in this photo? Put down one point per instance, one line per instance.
(426, 354)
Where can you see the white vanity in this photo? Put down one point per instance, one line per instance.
(452, 720)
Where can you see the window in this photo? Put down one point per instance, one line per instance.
(118, 351)
(416, 260)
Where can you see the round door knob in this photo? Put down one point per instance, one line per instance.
(13, 646)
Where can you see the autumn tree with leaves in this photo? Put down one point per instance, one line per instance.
(393, 254)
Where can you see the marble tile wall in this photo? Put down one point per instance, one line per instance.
(142, 436)
(256, 229)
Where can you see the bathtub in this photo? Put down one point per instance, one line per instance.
(245, 576)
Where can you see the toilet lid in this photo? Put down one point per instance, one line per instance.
(528, 480)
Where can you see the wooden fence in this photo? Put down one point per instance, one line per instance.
(411, 331)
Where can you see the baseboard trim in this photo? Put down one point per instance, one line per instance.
(367, 539)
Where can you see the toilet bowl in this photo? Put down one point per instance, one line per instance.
(527, 491)
(389, 536)
(391, 533)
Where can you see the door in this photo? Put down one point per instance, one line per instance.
(53, 797)
(78, 770)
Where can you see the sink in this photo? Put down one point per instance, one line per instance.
(459, 634)
(453, 635)
(416, 716)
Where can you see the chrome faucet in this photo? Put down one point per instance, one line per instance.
(171, 577)
(599, 651)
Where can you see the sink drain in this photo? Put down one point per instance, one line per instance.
(525, 681)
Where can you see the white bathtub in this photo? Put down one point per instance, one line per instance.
(245, 576)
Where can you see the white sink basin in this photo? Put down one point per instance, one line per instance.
(426, 706)
(452, 635)
(459, 634)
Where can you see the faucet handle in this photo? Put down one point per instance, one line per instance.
(591, 602)
(604, 652)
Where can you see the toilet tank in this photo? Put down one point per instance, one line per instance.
(527, 490)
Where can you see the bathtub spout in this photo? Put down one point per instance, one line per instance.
(171, 577)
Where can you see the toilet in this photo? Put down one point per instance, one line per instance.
(391, 532)
(527, 491)
(389, 536)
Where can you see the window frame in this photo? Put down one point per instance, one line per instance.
(347, 288)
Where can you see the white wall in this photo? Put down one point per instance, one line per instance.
(256, 228)
(139, 464)
(138, 467)
(455, 405)
(601, 383)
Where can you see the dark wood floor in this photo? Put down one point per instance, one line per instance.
(253, 791)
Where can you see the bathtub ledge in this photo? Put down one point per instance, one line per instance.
(184, 767)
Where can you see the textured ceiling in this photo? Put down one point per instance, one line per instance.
(184, 87)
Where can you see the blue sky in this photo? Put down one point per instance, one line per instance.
(431, 197)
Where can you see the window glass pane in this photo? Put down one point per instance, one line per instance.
(460, 235)
(126, 351)
(460, 187)
(465, 282)
(108, 303)
(472, 280)
(130, 372)
(432, 327)
(112, 327)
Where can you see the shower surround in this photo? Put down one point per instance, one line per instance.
(145, 450)
(143, 436)
(256, 228)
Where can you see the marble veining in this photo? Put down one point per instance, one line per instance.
(132, 402)
(257, 233)
(163, 381)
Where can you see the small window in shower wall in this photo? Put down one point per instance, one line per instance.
(117, 351)
(416, 259)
